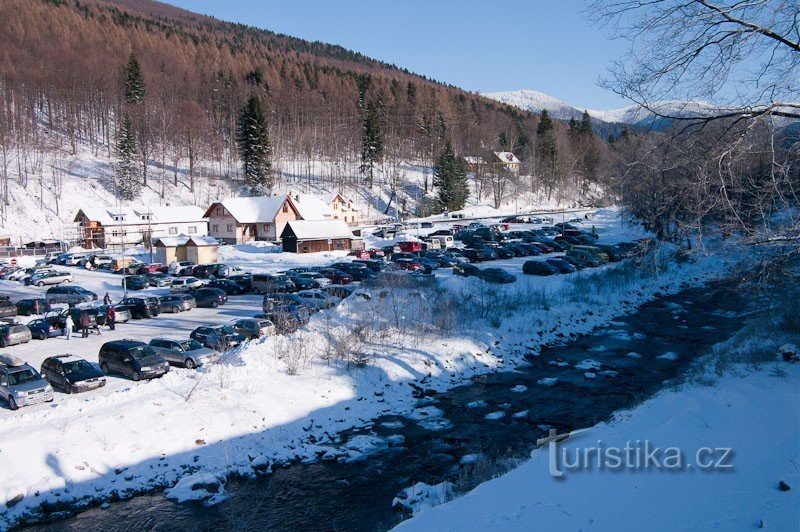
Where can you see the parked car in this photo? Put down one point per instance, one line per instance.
(497, 275)
(14, 334)
(142, 307)
(31, 307)
(474, 255)
(286, 320)
(317, 277)
(254, 328)
(594, 250)
(185, 284)
(49, 278)
(245, 280)
(590, 259)
(176, 303)
(135, 282)
(210, 297)
(304, 283)
(72, 374)
(7, 308)
(96, 318)
(211, 271)
(317, 299)
(280, 300)
(467, 270)
(578, 262)
(133, 359)
(42, 329)
(614, 253)
(536, 267)
(71, 295)
(218, 337)
(359, 254)
(180, 267)
(265, 283)
(561, 265)
(187, 353)
(21, 385)
(411, 265)
(337, 276)
(158, 279)
(155, 267)
(376, 265)
(229, 287)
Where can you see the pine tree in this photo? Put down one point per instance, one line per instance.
(254, 147)
(547, 151)
(450, 177)
(371, 142)
(126, 172)
(134, 82)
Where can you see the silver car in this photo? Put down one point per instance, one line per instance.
(49, 278)
(21, 385)
(254, 328)
(187, 353)
(13, 334)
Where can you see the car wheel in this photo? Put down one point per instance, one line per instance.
(214, 304)
(40, 284)
(2, 342)
(12, 403)
(189, 364)
(104, 368)
(175, 310)
(42, 335)
(68, 387)
(135, 376)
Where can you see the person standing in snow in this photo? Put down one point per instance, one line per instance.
(106, 299)
(85, 321)
(111, 317)
(68, 326)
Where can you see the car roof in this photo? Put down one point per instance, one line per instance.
(125, 343)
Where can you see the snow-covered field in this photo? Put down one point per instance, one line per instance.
(267, 402)
(757, 415)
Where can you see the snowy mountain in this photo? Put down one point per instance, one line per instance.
(536, 102)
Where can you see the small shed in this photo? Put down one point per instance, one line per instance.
(311, 236)
(171, 248)
(202, 250)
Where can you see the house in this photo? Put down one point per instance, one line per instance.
(474, 163)
(311, 236)
(240, 220)
(103, 227)
(507, 161)
(198, 249)
(326, 207)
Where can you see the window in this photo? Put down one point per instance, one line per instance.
(173, 230)
(192, 229)
(285, 207)
(266, 227)
(119, 217)
(146, 217)
(215, 229)
(230, 228)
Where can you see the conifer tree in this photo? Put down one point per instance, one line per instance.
(254, 147)
(450, 177)
(126, 172)
(134, 82)
(371, 142)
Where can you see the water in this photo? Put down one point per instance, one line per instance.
(358, 496)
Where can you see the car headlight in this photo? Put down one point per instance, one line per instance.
(20, 393)
(48, 388)
(146, 368)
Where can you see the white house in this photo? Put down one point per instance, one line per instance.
(102, 227)
(240, 220)
(326, 207)
(507, 161)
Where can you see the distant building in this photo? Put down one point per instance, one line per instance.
(240, 220)
(198, 249)
(311, 236)
(326, 207)
(103, 227)
(474, 163)
(507, 161)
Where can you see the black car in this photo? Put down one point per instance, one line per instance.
(467, 270)
(135, 282)
(96, 318)
(304, 283)
(208, 271)
(474, 255)
(133, 359)
(218, 337)
(231, 288)
(562, 265)
(375, 265)
(504, 252)
(72, 374)
(30, 307)
(535, 267)
(498, 276)
(7, 308)
(210, 297)
(142, 307)
(245, 280)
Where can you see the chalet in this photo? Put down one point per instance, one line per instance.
(198, 249)
(311, 236)
(507, 161)
(103, 227)
(474, 163)
(240, 220)
(326, 207)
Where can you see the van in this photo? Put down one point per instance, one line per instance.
(445, 241)
(585, 256)
(267, 283)
(597, 252)
(133, 359)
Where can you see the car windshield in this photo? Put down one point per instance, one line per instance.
(141, 351)
(70, 368)
(225, 329)
(23, 376)
(190, 345)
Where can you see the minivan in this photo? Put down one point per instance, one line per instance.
(132, 358)
(21, 385)
(71, 295)
(597, 252)
(264, 283)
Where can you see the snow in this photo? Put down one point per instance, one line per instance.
(313, 207)
(319, 229)
(258, 209)
(744, 498)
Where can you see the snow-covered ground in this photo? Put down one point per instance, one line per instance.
(268, 401)
(757, 415)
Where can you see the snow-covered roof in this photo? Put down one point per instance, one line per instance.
(319, 229)
(172, 241)
(252, 210)
(202, 241)
(507, 157)
(137, 214)
(473, 160)
(314, 207)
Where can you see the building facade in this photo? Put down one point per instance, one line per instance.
(116, 227)
(240, 220)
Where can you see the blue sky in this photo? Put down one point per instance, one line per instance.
(546, 45)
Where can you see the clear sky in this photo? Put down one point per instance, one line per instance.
(545, 45)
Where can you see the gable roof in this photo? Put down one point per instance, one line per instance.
(251, 210)
(171, 241)
(506, 157)
(313, 207)
(202, 241)
(133, 214)
(317, 229)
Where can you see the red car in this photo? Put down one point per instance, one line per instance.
(337, 276)
(408, 264)
(410, 247)
(156, 267)
(359, 254)
(544, 247)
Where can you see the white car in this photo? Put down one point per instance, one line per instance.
(318, 277)
(178, 267)
(23, 273)
(185, 284)
(76, 259)
(318, 299)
